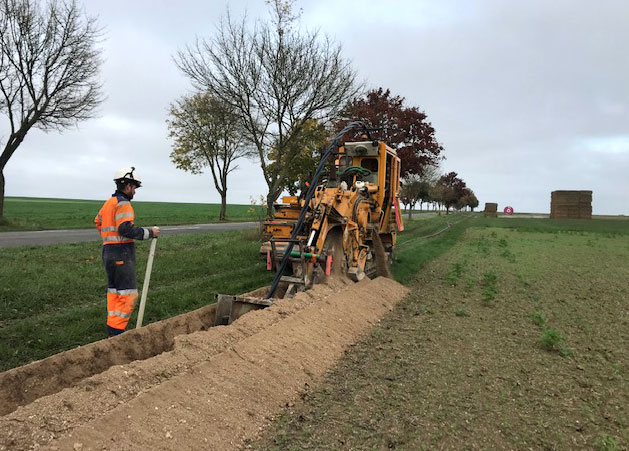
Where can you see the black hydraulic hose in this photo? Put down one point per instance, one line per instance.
(309, 195)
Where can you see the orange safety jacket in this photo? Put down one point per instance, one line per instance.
(114, 213)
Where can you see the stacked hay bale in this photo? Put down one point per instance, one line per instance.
(491, 210)
(571, 205)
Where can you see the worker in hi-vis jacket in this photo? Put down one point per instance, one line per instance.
(114, 221)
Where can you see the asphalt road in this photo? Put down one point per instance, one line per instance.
(43, 237)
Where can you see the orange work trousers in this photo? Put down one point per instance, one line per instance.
(122, 292)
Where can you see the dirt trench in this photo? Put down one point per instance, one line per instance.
(215, 388)
(22, 385)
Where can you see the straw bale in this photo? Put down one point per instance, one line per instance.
(571, 204)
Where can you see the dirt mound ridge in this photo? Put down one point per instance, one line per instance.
(22, 385)
(216, 387)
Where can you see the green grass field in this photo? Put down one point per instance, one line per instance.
(29, 213)
(52, 298)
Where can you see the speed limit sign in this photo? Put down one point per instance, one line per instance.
(508, 210)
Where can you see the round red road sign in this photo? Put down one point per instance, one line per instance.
(508, 210)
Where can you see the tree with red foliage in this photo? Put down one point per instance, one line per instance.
(404, 128)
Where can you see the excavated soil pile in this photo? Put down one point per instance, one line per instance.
(216, 388)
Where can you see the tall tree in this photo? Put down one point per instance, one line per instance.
(438, 193)
(468, 199)
(453, 189)
(276, 78)
(428, 177)
(49, 64)
(405, 128)
(411, 191)
(207, 134)
(307, 147)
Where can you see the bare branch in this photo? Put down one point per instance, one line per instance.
(49, 66)
(276, 79)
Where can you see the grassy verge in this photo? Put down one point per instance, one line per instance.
(39, 214)
(512, 339)
(414, 251)
(52, 298)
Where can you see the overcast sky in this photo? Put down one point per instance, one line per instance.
(527, 97)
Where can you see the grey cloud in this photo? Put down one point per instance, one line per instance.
(527, 97)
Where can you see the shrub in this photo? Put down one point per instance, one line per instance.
(538, 318)
(551, 338)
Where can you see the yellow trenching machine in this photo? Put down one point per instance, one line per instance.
(345, 225)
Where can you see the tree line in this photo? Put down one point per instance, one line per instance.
(439, 192)
(270, 91)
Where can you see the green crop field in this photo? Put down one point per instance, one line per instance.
(26, 213)
(514, 336)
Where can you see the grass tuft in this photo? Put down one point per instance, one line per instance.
(470, 283)
(551, 339)
(607, 442)
(490, 287)
(455, 272)
(539, 319)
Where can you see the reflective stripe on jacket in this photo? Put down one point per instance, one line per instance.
(114, 221)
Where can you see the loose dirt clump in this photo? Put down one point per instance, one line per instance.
(216, 387)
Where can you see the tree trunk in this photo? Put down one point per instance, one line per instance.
(410, 214)
(271, 198)
(2, 220)
(269, 206)
(222, 216)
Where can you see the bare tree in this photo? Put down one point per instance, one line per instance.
(428, 178)
(49, 65)
(276, 78)
(411, 193)
(207, 134)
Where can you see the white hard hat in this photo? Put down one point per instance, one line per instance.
(128, 174)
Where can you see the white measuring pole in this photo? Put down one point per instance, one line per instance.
(147, 279)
